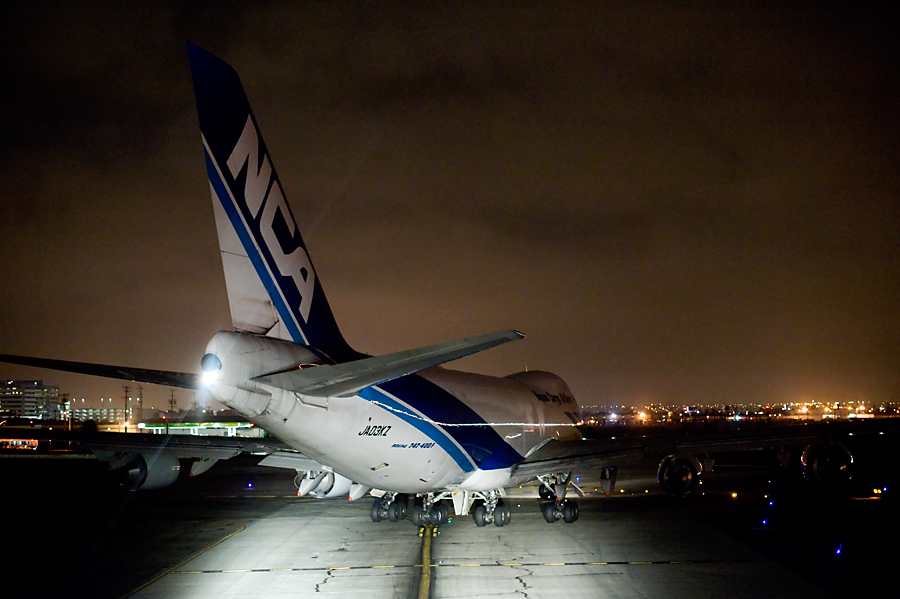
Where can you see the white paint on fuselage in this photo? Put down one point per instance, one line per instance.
(371, 444)
(400, 458)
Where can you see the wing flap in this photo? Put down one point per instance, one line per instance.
(292, 460)
(345, 380)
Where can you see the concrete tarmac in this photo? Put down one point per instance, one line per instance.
(643, 549)
(240, 530)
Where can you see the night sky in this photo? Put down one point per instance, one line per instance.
(693, 203)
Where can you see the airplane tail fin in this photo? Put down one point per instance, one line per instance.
(272, 285)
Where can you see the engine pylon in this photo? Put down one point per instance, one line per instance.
(358, 491)
(309, 484)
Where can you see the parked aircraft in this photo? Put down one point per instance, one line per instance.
(395, 425)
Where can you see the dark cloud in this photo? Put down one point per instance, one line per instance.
(680, 203)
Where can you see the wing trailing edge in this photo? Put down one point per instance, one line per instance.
(347, 379)
(182, 380)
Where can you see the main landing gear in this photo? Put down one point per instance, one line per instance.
(429, 511)
(554, 504)
(492, 509)
(554, 510)
(391, 506)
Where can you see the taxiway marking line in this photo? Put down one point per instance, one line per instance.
(425, 577)
(426, 566)
(172, 570)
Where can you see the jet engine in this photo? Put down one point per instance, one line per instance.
(323, 485)
(153, 470)
(679, 475)
(827, 464)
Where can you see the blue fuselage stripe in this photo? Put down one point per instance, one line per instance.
(445, 419)
(432, 431)
(247, 241)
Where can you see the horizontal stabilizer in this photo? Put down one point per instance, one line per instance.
(345, 380)
(183, 380)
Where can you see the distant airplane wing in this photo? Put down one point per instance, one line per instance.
(182, 380)
(347, 379)
(183, 446)
(580, 456)
(151, 461)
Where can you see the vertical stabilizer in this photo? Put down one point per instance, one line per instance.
(272, 285)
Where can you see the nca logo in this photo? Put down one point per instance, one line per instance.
(275, 223)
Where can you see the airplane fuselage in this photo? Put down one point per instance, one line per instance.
(435, 429)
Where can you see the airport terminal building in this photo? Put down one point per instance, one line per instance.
(28, 399)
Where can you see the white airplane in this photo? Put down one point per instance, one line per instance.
(397, 423)
(394, 426)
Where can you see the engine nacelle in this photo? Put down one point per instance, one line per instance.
(679, 475)
(153, 470)
(828, 464)
(323, 485)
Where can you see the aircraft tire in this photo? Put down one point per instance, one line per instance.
(505, 512)
(395, 512)
(376, 511)
(570, 512)
(478, 515)
(437, 515)
(545, 493)
(418, 515)
(549, 516)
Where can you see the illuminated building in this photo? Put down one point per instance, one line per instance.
(29, 399)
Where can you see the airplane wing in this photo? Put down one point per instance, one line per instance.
(183, 446)
(182, 380)
(588, 454)
(150, 461)
(347, 379)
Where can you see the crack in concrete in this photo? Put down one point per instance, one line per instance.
(328, 576)
(520, 578)
(518, 557)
